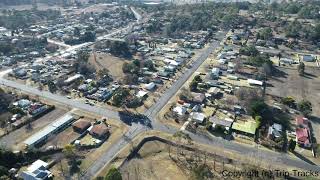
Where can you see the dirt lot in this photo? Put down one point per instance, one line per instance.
(112, 63)
(148, 166)
(14, 139)
(289, 83)
(153, 161)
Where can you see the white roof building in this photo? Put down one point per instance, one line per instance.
(215, 71)
(48, 130)
(150, 86)
(73, 78)
(180, 110)
(255, 82)
(141, 94)
(37, 171)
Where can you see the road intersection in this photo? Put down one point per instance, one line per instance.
(151, 116)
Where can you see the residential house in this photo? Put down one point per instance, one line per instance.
(37, 171)
(197, 117)
(100, 131)
(303, 131)
(180, 110)
(198, 97)
(226, 122)
(275, 131)
(215, 72)
(81, 125)
(245, 127)
(150, 86)
(307, 58)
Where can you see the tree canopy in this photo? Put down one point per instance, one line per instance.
(113, 174)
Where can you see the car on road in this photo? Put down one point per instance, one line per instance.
(69, 97)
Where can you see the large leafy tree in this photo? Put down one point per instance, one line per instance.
(305, 107)
(113, 174)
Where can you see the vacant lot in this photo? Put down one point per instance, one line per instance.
(15, 139)
(112, 63)
(289, 83)
(148, 166)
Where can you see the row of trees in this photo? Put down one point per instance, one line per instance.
(14, 19)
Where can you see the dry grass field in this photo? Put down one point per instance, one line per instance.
(288, 82)
(112, 63)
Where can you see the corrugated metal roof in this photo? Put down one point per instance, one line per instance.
(48, 129)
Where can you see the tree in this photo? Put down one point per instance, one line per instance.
(200, 172)
(52, 87)
(88, 36)
(194, 83)
(247, 96)
(267, 69)
(259, 60)
(315, 34)
(76, 32)
(305, 107)
(83, 56)
(136, 62)
(185, 94)
(292, 8)
(292, 145)
(289, 101)
(293, 29)
(69, 151)
(86, 69)
(113, 174)
(130, 68)
(149, 64)
(301, 68)
(130, 79)
(259, 108)
(103, 73)
(5, 100)
(258, 119)
(265, 33)
(120, 96)
(249, 51)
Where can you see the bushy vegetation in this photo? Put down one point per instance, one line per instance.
(14, 19)
(113, 174)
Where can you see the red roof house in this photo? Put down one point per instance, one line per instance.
(303, 131)
(302, 137)
(100, 131)
(302, 121)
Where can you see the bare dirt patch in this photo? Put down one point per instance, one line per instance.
(112, 63)
(288, 82)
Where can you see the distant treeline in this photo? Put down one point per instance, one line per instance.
(23, 2)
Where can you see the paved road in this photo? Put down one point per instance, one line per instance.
(137, 128)
(60, 99)
(164, 99)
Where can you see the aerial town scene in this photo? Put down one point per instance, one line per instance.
(159, 89)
